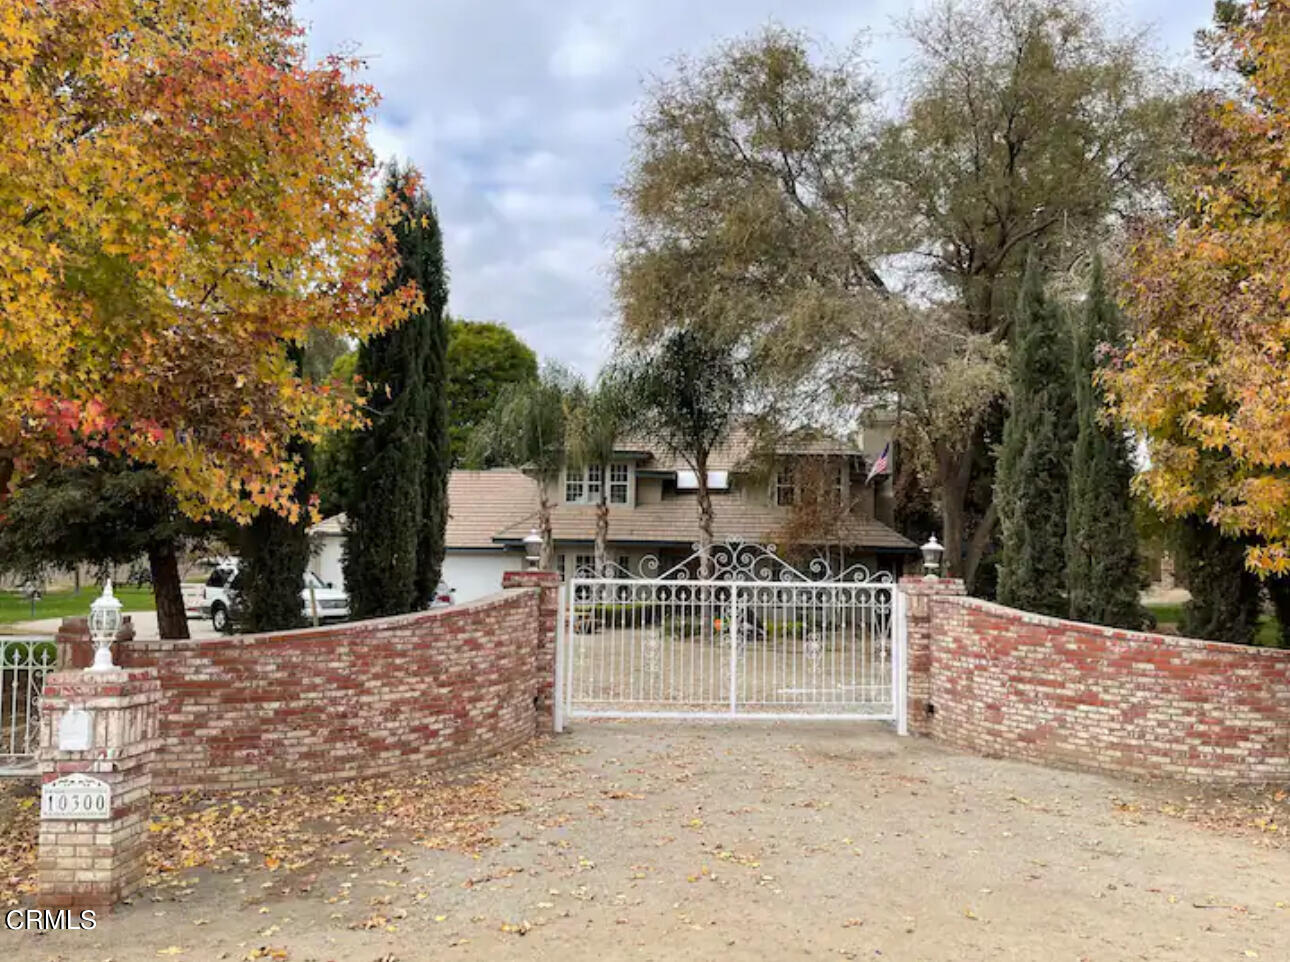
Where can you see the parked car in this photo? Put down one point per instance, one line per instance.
(444, 595)
(221, 600)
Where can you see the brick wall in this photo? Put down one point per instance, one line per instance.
(1006, 683)
(416, 691)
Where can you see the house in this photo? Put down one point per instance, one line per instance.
(653, 510)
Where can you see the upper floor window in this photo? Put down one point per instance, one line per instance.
(583, 485)
(785, 487)
(619, 481)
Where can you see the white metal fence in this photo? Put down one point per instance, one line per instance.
(24, 663)
(750, 637)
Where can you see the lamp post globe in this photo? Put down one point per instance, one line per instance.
(105, 620)
(532, 549)
(932, 552)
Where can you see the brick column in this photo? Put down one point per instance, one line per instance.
(548, 585)
(919, 592)
(94, 863)
(75, 650)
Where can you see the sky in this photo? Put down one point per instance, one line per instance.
(519, 113)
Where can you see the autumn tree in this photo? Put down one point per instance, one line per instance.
(1032, 484)
(528, 429)
(1103, 569)
(1206, 378)
(184, 195)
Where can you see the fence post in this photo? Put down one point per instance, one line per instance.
(901, 693)
(98, 734)
(561, 653)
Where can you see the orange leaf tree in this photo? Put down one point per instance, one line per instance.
(184, 196)
(1207, 377)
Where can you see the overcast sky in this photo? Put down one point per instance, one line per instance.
(519, 114)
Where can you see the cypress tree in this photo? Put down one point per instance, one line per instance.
(275, 553)
(1034, 459)
(1104, 576)
(1225, 595)
(428, 267)
(395, 512)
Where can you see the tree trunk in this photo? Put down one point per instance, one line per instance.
(172, 620)
(705, 519)
(546, 560)
(976, 547)
(602, 533)
(953, 475)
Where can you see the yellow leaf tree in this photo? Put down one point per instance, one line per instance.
(184, 196)
(1207, 378)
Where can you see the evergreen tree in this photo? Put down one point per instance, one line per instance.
(274, 549)
(1103, 576)
(425, 263)
(1034, 461)
(1225, 595)
(386, 499)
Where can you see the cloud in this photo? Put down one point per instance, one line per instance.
(519, 114)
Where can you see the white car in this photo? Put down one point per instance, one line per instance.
(219, 598)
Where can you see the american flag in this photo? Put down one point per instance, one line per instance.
(881, 465)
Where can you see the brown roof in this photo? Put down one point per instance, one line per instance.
(737, 448)
(675, 521)
(482, 503)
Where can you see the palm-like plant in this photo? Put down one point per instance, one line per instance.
(528, 429)
(597, 421)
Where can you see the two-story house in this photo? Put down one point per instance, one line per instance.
(817, 491)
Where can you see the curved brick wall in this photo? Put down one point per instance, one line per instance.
(415, 692)
(1007, 683)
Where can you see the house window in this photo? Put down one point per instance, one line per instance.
(584, 566)
(574, 489)
(595, 478)
(618, 483)
(624, 563)
(785, 487)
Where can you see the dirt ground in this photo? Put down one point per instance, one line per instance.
(669, 842)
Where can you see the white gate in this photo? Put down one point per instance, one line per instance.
(24, 663)
(753, 637)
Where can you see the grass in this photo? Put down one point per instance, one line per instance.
(59, 604)
(1169, 617)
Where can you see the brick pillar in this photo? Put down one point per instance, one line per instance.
(921, 631)
(548, 585)
(94, 863)
(75, 650)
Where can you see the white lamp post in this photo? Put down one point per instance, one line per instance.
(532, 549)
(105, 619)
(932, 552)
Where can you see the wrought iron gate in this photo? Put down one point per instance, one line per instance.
(752, 637)
(24, 663)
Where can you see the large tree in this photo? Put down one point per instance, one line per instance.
(766, 188)
(1206, 378)
(396, 484)
(1103, 569)
(107, 514)
(483, 358)
(687, 391)
(528, 429)
(184, 194)
(1031, 487)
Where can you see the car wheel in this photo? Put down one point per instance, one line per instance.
(220, 619)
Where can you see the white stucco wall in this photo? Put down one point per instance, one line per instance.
(476, 574)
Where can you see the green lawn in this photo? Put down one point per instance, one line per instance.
(1169, 616)
(58, 604)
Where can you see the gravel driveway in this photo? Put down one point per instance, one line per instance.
(714, 842)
